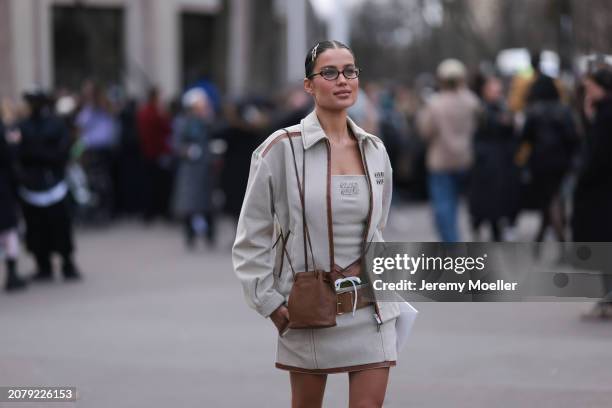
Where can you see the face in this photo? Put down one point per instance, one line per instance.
(493, 90)
(593, 91)
(340, 93)
(202, 109)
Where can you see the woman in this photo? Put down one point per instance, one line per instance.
(9, 238)
(346, 176)
(42, 154)
(494, 179)
(447, 124)
(592, 220)
(192, 194)
(550, 138)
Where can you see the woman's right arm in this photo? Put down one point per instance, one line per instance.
(252, 253)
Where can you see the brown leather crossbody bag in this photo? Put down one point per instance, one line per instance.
(312, 300)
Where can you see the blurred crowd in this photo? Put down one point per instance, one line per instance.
(529, 142)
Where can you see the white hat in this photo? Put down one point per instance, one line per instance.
(451, 69)
(193, 96)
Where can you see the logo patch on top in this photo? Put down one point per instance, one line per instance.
(349, 188)
(380, 177)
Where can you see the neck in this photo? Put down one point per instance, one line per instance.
(334, 125)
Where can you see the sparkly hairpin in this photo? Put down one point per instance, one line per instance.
(313, 54)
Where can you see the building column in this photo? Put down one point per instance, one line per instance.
(338, 26)
(138, 75)
(22, 58)
(165, 47)
(296, 39)
(6, 50)
(43, 43)
(238, 55)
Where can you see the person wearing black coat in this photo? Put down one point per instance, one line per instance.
(551, 138)
(9, 239)
(592, 216)
(493, 189)
(42, 157)
(244, 132)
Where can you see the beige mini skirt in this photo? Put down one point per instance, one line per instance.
(355, 343)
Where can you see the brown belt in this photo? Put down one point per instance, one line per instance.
(346, 300)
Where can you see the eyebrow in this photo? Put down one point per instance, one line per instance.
(334, 67)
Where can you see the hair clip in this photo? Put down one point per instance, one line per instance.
(313, 54)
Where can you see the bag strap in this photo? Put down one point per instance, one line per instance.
(284, 239)
(301, 187)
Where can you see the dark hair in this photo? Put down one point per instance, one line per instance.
(543, 89)
(152, 94)
(535, 57)
(318, 49)
(603, 77)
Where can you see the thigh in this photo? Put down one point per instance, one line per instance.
(307, 390)
(367, 388)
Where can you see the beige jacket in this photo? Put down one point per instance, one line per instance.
(272, 202)
(448, 123)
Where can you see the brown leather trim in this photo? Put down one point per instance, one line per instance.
(359, 367)
(279, 138)
(369, 222)
(330, 226)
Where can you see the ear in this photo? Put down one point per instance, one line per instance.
(308, 86)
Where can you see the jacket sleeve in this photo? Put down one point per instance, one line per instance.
(252, 253)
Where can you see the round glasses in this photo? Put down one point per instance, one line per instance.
(331, 74)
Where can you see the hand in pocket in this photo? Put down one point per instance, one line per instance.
(280, 318)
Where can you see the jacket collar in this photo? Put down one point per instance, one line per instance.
(312, 132)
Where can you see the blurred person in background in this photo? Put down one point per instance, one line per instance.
(548, 142)
(247, 122)
(520, 87)
(521, 83)
(365, 112)
(130, 180)
(592, 215)
(43, 153)
(493, 188)
(97, 130)
(154, 131)
(292, 105)
(393, 127)
(447, 123)
(9, 238)
(192, 201)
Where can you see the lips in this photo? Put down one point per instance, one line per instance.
(342, 93)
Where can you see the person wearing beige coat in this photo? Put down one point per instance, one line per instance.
(447, 124)
(347, 177)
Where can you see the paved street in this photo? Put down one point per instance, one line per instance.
(153, 325)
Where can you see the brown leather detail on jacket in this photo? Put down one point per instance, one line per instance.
(359, 367)
(369, 221)
(330, 225)
(279, 138)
